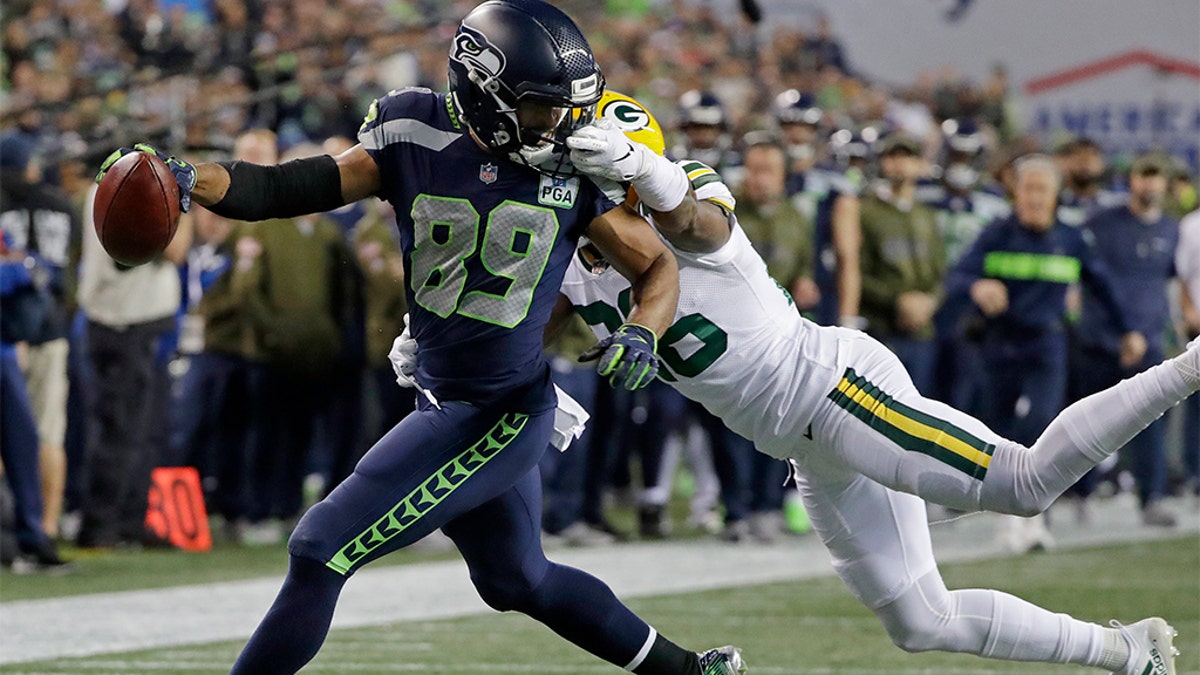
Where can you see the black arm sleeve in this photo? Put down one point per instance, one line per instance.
(299, 187)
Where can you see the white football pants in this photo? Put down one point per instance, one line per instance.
(879, 449)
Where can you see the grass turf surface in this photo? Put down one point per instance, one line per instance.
(811, 626)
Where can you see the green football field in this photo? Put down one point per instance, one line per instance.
(811, 626)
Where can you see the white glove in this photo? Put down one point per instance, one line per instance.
(404, 363)
(404, 358)
(570, 419)
(601, 149)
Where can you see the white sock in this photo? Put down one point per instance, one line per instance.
(994, 625)
(1118, 649)
(1081, 437)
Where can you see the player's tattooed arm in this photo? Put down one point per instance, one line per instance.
(246, 191)
(630, 245)
(696, 225)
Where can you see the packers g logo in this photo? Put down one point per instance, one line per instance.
(474, 51)
(632, 118)
(627, 115)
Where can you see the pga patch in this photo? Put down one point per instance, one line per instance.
(559, 192)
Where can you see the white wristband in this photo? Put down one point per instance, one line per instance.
(662, 184)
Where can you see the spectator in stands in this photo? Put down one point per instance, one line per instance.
(962, 212)
(824, 49)
(128, 311)
(1136, 242)
(781, 234)
(903, 261)
(378, 252)
(216, 409)
(1084, 171)
(41, 221)
(1017, 273)
(292, 277)
(24, 307)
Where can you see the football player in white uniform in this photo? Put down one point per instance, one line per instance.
(866, 447)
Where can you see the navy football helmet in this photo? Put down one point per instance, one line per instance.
(851, 146)
(701, 109)
(854, 152)
(963, 149)
(705, 128)
(797, 107)
(512, 52)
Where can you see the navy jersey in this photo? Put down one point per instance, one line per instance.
(42, 221)
(1036, 268)
(486, 242)
(961, 217)
(1141, 260)
(1074, 209)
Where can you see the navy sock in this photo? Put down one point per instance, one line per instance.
(583, 609)
(668, 658)
(295, 626)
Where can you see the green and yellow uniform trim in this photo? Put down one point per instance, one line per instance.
(910, 428)
(431, 492)
(700, 174)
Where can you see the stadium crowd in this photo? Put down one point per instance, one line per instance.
(258, 352)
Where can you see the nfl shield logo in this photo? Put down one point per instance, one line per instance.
(487, 173)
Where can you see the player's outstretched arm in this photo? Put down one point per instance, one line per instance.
(245, 191)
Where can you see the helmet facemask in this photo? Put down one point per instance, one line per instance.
(542, 133)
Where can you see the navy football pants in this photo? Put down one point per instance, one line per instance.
(19, 451)
(1026, 384)
(473, 473)
(1095, 370)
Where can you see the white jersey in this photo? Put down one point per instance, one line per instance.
(737, 346)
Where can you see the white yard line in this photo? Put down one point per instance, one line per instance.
(108, 623)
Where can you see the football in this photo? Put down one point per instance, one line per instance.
(136, 209)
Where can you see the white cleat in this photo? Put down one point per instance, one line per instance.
(1153, 653)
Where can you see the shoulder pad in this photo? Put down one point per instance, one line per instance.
(990, 205)
(412, 115)
(707, 183)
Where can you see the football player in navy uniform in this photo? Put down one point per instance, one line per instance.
(830, 200)
(1083, 193)
(704, 127)
(962, 211)
(489, 217)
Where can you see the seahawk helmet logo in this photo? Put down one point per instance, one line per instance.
(474, 51)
